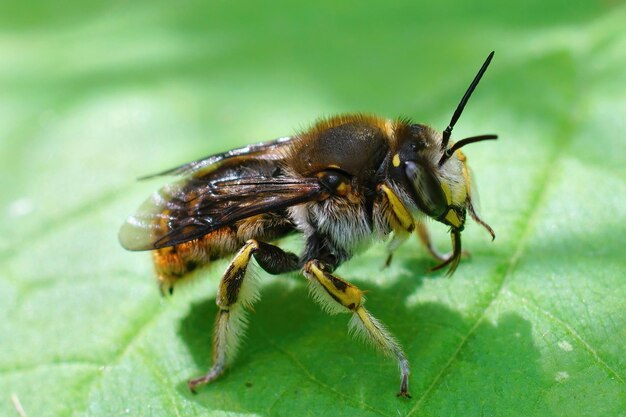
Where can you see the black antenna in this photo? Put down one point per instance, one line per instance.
(459, 109)
(450, 151)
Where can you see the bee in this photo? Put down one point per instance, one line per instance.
(345, 182)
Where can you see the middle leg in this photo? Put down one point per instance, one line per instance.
(339, 296)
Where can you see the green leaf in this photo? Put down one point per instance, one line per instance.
(94, 96)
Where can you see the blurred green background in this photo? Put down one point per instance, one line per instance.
(93, 95)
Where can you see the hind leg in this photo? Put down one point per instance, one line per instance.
(236, 292)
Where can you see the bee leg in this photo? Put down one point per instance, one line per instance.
(238, 291)
(422, 233)
(400, 219)
(452, 261)
(399, 237)
(339, 296)
(424, 236)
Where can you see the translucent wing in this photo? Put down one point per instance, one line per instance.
(217, 192)
(269, 151)
(189, 210)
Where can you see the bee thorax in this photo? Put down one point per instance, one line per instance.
(343, 227)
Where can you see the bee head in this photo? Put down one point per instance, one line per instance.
(438, 191)
(432, 170)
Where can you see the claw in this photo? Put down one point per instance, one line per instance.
(387, 262)
(213, 374)
(404, 388)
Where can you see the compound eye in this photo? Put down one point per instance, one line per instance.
(430, 196)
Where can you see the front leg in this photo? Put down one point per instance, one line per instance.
(339, 296)
(399, 218)
(402, 224)
(451, 258)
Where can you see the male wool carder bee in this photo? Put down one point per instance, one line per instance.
(347, 180)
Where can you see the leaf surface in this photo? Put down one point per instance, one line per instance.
(532, 324)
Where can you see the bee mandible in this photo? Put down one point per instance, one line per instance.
(345, 182)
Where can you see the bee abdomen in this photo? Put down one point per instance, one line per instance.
(178, 262)
(175, 263)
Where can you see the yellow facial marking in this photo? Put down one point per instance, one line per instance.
(396, 160)
(446, 191)
(453, 219)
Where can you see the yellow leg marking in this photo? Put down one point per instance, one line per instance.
(337, 289)
(230, 286)
(401, 221)
(401, 214)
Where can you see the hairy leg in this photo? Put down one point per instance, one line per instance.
(237, 291)
(339, 296)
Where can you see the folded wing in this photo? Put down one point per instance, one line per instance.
(217, 192)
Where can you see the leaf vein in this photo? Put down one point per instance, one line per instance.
(586, 345)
